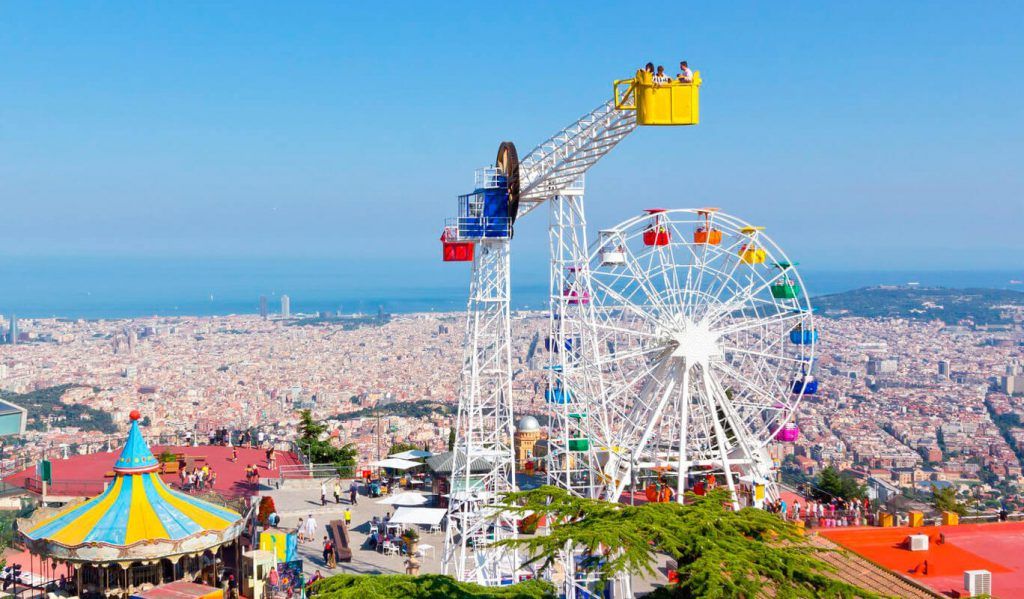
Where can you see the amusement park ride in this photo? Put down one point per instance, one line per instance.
(680, 342)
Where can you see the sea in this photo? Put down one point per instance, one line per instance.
(121, 287)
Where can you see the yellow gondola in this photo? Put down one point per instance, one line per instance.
(672, 103)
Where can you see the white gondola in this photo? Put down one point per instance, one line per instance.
(613, 248)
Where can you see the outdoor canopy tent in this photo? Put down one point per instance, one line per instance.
(412, 454)
(418, 515)
(405, 499)
(395, 463)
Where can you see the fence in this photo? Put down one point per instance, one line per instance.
(294, 471)
(65, 488)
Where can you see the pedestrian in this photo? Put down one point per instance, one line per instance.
(300, 530)
(348, 517)
(328, 551)
(323, 493)
(234, 454)
(310, 528)
(337, 490)
(353, 493)
(232, 587)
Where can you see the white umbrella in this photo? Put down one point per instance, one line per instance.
(412, 454)
(405, 499)
(395, 463)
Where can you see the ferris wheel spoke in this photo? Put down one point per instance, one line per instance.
(752, 387)
(643, 280)
(619, 357)
(751, 294)
(623, 302)
(729, 257)
(777, 318)
(762, 354)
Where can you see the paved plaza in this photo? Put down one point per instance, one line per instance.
(293, 504)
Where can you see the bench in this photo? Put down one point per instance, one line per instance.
(338, 533)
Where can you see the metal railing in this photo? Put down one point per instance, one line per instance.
(66, 488)
(296, 471)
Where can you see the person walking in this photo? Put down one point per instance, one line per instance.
(323, 493)
(348, 517)
(353, 493)
(337, 490)
(311, 527)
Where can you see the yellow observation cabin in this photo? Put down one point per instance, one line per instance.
(673, 103)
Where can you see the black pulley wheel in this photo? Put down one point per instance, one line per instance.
(508, 162)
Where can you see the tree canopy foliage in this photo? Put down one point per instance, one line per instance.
(945, 500)
(427, 586)
(320, 451)
(400, 447)
(720, 552)
(830, 484)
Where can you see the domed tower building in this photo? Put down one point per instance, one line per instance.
(527, 435)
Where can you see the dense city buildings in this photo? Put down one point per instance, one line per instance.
(909, 404)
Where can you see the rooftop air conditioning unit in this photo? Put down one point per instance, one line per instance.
(919, 542)
(978, 582)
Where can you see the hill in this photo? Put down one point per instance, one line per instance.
(980, 306)
(44, 407)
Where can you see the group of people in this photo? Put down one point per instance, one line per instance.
(306, 531)
(379, 531)
(199, 479)
(252, 474)
(338, 492)
(660, 77)
(838, 511)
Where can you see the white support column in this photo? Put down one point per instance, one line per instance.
(568, 467)
(484, 430)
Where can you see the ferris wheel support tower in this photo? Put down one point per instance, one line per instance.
(483, 463)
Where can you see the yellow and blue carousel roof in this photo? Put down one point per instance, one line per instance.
(137, 507)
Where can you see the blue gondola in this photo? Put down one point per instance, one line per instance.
(549, 343)
(800, 336)
(558, 395)
(806, 384)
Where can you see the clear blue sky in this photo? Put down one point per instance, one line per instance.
(863, 135)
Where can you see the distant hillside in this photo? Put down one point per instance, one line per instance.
(44, 406)
(982, 306)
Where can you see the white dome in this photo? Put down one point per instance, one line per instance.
(527, 424)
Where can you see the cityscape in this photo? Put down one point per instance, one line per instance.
(331, 301)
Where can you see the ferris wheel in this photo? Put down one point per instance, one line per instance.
(700, 332)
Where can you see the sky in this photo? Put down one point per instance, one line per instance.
(869, 135)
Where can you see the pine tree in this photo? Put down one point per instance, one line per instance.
(719, 552)
(945, 500)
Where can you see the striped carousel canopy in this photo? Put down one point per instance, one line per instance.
(138, 507)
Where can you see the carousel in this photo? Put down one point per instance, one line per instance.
(137, 533)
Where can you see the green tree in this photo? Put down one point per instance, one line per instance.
(719, 552)
(309, 429)
(830, 483)
(400, 447)
(945, 500)
(321, 451)
(451, 439)
(427, 586)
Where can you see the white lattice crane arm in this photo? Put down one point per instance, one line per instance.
(563, 158)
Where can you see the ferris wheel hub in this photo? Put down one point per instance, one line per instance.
(696, 343)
